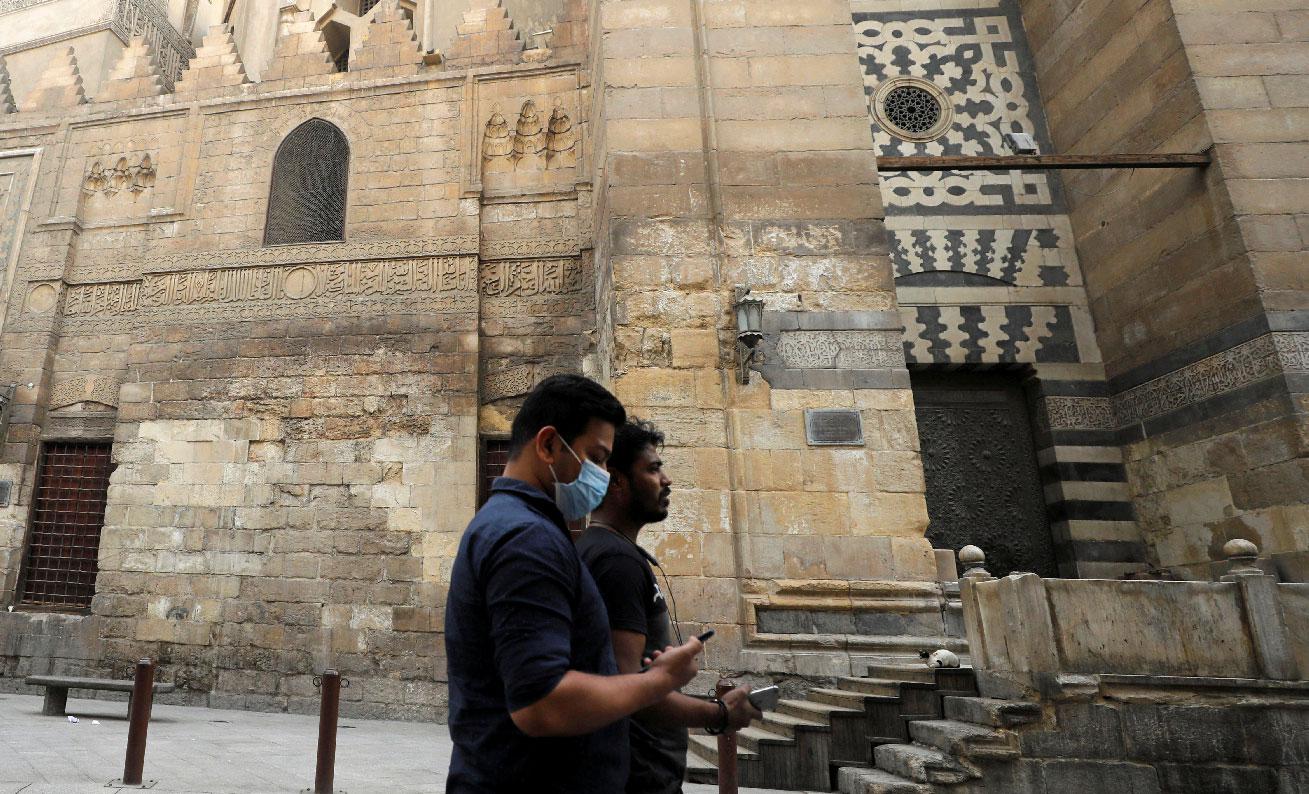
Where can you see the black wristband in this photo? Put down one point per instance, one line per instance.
(723, 723)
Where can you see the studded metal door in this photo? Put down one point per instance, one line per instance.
(983, 486)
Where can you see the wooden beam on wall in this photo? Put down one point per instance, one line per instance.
(1043, 162)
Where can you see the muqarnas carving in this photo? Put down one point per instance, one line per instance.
(134, 179)
(560, 142)
(533, 144)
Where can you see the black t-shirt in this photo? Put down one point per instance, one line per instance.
(522, 611)
(635, 603)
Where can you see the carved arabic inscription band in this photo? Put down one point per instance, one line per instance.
(237, 285)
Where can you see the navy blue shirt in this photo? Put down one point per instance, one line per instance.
(522, 611)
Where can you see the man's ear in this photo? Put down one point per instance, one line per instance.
(546, 443)
(618, 486)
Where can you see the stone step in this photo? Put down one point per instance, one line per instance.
(992, 711)
(698, 769)
(706, 748)
(788, 724)
(903, 672)
(919, 764)
(845, 698)
(854, 780)
(964, 739)
(814, 710)
(755, 737)
(869, 686)
(956, 679)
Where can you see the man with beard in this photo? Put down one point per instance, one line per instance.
(536, 702)
(639, 491)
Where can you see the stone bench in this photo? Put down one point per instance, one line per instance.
(57, 686)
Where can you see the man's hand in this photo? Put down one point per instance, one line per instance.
(677, 662)
(740, 711)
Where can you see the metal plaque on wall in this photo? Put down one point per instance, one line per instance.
(833, 427)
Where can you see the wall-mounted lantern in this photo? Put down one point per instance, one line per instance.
(749, 329)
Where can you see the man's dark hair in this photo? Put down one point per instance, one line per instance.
(629, 441)
(567, 403)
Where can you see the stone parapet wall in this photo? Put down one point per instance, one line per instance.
(1247, 626)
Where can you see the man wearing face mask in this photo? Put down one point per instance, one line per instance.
(639, 494)
(536, 701)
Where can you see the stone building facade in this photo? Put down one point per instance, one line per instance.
(278, 274)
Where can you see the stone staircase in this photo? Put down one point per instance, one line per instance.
(803, 744)
(945, 754)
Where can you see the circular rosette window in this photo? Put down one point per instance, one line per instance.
(912, 108)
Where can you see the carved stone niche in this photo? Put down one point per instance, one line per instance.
(528, 134)
(130, 176)
(532, 142)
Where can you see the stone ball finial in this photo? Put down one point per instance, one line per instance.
(973, 561)
(1240, 548)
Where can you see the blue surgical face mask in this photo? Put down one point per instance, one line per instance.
(577, 498)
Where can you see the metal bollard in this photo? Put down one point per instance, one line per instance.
(329, 684)
(143, 691)
(727, 772)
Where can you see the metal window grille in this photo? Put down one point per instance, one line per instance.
(342, 61)
(306, 202)
(912, 109)
(495, 454)
(68, 512)
(367, 5)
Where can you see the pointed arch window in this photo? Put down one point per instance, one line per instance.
(307, 199)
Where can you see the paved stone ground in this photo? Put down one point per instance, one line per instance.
(210, 751)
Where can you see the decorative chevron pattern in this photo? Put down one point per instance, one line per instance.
(997, 333)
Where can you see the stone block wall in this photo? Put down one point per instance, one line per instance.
(263, 528)
(1246, 626)
(1163, 741)
(1188, 272)
(294, 428)
(735, 150)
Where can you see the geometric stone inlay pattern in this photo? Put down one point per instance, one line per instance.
(973, 57)
(1015, 256)
(988, 334)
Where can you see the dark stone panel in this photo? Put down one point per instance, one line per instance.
(1082, 730)
(1108, 551)
(1085, 472)
(1235, 400)
(1208, 778)
(1193, 734)
(1277, 406)
(1071, 388)
(860, 622)
(1297, 320)
(1081, 438)
(1230, 336)
(1297, 382)
(1091, 510)
(947, 278)
(1099, 777)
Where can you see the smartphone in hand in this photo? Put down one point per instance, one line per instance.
(766, 698)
